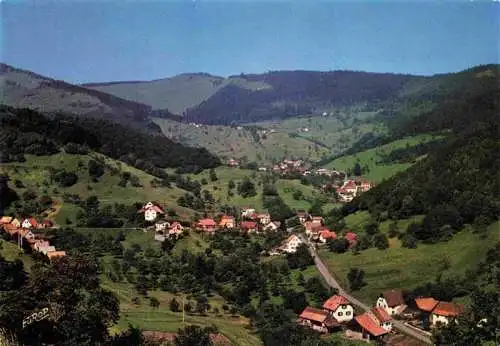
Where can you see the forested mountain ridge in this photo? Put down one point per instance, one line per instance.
(26, 89)
(27, 131)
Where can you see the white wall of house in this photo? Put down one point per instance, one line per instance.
(344, 313)
(150, 215)
(292, 245)
(160, 226)
(26, 224)
(435, 319)
(387, 326)
(382, 303)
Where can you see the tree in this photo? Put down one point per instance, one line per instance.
(231, 185)
(409, 241)
(301, 258)
(246, 188)
(356, 278)
(174, 305)
(371, 228)
(339, 245)
(154, 302)
(96, 169)
(380, 241)
(213, 175)
(194, 336)
(357, 169)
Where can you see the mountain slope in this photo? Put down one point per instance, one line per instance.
(25, 89)
(176, 94)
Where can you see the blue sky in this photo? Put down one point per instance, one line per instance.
(84, 41)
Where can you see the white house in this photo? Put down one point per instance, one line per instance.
(444, 312)
(264, 219)
(162, 225)
(151, 211)
(392, 301)
(339, 308)
(29, 223)
(291, 244)
(247, 212)
(272, 226)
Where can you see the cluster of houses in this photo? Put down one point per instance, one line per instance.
(338, 314)
(290, 166)
(351, 188)
(163, 228)
(251, 222)
(23, 233)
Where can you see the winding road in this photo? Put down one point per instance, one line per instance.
(323, 269)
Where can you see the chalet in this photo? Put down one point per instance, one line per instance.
(264, 219)
(55, 254)
(303, 216)
(291, 244)
(352, 238)
(392, 301)
(312, 229)
(206, 225)
(383, 317)
(227, 222)
(326, 234)
(175, 229)
(30, 223)
(151, 211)
(5, 219)
(339, 308)
(316, 319)
(249, 226)
(272, 226)
(371, 327)
(438, 312)
(162, 225)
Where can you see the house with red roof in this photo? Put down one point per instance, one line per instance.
(42, 246)
(317, 319)
(249, 226)
(438, 312)
(317, 220)
(374, 324)
(206, 225)
(175, 228)
(392, 301)
(151, 211)
(5, 219)
(55, 254)
(11, 229)
(47, 223)
(339, 308)
(326, 234)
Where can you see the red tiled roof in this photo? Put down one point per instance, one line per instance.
(313, 314)
(394, 297)
(426, 304)
(34, 223)
(381, 314)
(154, 207)
(5, 219)
(447, 309)
(334, 302)
(10, 228)
(326, 234)
(368, 323)
(54, 254)
(351, 236)
(207, 222)
(248, 225)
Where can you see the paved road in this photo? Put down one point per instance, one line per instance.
(334, 283)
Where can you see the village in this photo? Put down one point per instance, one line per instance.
(337, 314)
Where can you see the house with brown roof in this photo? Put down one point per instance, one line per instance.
(272, 226)
(249, 226)
(5, 219)
(444, 312)
(316, 319)
(437, 312)
(392, 301)
(372, 325)
(264, 218)
(339, 308)
(317, 220)
(303, 216)
(206, 225)
(227, 222)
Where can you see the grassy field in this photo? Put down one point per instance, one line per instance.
(286, 189)
(237, 329)
(229, 142)
(399, 267)
(34, 174)
(11, 252)
(370, 157)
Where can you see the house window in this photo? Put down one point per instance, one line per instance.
(348, 313)
(340, 313)
(344, 306)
